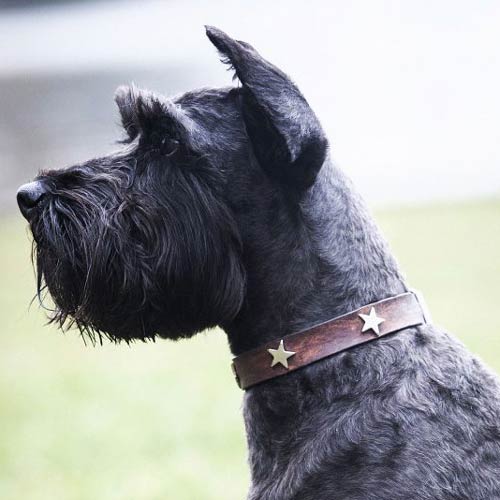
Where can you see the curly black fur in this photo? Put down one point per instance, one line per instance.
(141, 242)
(223, 207)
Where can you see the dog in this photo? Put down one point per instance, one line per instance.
(223, 208)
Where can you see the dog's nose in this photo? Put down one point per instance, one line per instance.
(28, 196)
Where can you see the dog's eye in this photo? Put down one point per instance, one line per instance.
(168, 146)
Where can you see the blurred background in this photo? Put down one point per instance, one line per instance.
(408, 93)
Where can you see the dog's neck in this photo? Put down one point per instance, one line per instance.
(337, 263)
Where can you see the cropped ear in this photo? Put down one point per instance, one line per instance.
(143, 112)
(286, 135)
(139, 111)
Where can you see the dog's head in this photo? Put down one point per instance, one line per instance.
(154, 239)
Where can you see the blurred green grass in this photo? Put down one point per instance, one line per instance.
(162, 421)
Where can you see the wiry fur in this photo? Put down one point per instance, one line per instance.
(224, 208)
(121, 258)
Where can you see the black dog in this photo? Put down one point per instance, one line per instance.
(223, 208)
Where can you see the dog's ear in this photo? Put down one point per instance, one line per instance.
(140, 111)
(286, 135)
(143, 112)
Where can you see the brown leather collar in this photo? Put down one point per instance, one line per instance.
(282, 356)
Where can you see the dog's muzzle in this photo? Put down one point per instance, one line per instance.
(28, 197)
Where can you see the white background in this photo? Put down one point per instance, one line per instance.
(408, 91)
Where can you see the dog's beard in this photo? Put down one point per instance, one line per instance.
(135, 268)
(77, 263)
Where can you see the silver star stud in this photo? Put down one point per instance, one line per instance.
(372, 321)
(280, 355)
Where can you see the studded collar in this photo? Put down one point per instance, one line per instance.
(294, 351)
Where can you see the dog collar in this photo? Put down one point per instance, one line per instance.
(294, 351)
